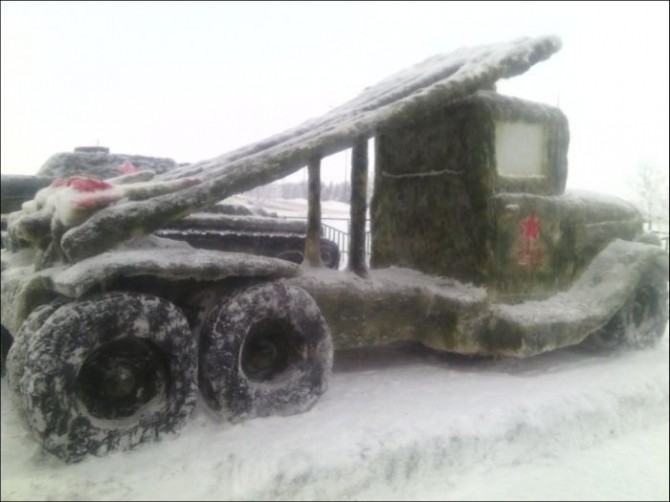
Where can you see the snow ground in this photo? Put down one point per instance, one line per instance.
(401, 423)
(333, 213)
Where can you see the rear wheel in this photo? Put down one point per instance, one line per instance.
(641, 321)
(108, 373)
(266, 351)
(7, 341)
(18, 351)
(330, 254)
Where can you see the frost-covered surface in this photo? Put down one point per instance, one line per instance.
(68, 202)
(394, 279)
(463, 292)
(396, 304)
(148, 255)
(401, 425)
(100, 165)
(588, 197)
(569, 316)
(443, 313)
(170, 264)
(288, 312)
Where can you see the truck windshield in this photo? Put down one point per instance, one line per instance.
(520, 149)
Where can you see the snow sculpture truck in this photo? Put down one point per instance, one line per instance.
(476, 249)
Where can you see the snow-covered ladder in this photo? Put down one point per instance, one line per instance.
(358, 209)
(439, 79)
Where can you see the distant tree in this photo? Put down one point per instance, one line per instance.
(650, 185)
(326, 191)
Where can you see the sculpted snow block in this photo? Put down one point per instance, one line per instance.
(437, 174)
(100, 164)
(627, 274)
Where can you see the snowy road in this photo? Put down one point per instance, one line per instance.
(402, 423)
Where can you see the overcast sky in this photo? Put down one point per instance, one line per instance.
(193, 80)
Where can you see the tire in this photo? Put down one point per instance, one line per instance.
(108, 373)
(641, 322)
(18, 352)
(291, 255)
(7, 341)
(330, 254)
(266, 351)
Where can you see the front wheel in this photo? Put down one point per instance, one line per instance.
(641, 321)
(107, 373)
(266, 351)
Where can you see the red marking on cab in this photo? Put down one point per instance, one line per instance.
(530, 251)
(530, 228)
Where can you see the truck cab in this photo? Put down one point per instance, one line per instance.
(475, 190)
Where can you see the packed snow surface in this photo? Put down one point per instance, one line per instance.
(401, 423)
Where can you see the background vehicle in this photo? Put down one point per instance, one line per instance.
(476, 249)
(222, 226)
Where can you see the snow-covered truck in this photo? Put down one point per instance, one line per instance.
(476, 249)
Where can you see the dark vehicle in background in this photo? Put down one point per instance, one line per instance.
(222, 226)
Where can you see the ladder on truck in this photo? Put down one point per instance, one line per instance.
(440, 79)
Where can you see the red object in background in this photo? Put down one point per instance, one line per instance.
(127, 168)
(81, 184)
(97, 201)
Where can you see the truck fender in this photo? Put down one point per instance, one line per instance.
(602, 290)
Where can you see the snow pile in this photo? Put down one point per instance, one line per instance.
(401, 423)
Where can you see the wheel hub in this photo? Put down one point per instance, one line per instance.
(121, 376)
(271, 348)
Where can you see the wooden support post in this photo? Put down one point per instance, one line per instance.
(313, 240)
(359, 188)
